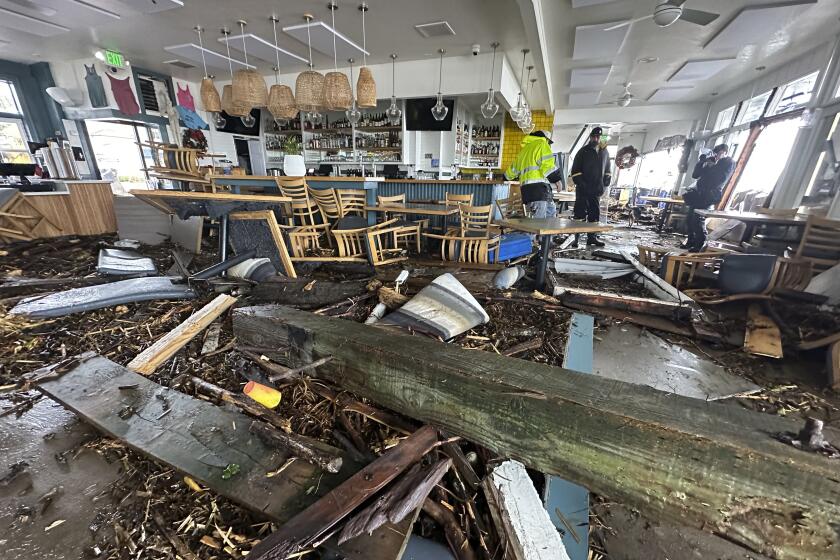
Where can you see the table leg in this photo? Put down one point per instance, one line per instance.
(545, 247)
(749, 231)
(223, 234)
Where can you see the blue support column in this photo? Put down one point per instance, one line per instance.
(568, 503)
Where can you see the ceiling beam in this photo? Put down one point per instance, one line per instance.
(533, 21)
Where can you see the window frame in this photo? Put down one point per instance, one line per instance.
(741, 120)
(771, 111)
(725, 126)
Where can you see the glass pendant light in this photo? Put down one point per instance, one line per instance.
(353, 114)
(394, 113)
(517, 112)
(439, 111)
(489, 108)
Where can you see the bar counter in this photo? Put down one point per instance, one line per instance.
(77, 207)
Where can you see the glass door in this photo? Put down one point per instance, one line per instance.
(123, 155)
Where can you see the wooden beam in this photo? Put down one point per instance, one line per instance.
(833, 363)
(673, 458)
(763, 336)
(670, 309)
(148, 360)
(654, 283)
(191, 435)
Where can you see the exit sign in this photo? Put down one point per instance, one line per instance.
(113, 58)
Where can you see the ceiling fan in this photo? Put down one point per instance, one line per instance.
(624, 99)
(667, 13)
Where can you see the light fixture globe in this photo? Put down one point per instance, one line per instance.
(440, 110)
(353, 114)
(394, 113)
(666, 14)
(210, 96)
(337, 93)
(249, 88)
(248, 120)
(219, 120)
(527, 129)
(309, 91)
(489, 108)
(281, 102)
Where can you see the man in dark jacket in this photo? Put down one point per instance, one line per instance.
(712, 172)
(588, 175)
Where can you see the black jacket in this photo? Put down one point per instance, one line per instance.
(711, 178)
(588, 171)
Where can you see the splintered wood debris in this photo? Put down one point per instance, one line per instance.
(158, 512)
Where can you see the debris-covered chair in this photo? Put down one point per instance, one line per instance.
(304, 211)
(748, 276)
(376, 244)
(410, 230)
(820, 244)
(475, 240)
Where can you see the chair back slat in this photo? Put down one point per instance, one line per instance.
(820, 244)
(458, 199)
(304, 208)
(352, 201)
(327, 202)
(475, 219)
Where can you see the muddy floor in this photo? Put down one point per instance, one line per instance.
(67, 492)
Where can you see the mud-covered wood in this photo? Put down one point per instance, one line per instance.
(649, 306)
(306, 293)
(316, 520)
(674, 458)
(193, 436)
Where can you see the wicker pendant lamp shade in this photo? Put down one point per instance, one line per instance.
(366, 85)
(210, 96)
(232, 108)
(337, 94)
(309, 90)
(249, 88)
(366, 88)
(281, 102)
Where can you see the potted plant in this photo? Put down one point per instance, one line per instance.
(293, 164)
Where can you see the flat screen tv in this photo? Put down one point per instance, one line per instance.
(234, 125)
(418, 114)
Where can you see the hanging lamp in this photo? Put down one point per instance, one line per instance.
(228, 105)
(517, 112)
(366, 86)
(525, 116)
(394, 113)
(281, 100)
(248, 85)
(309, 86)
(209, 94)
(489, 108)
(353, 114)
(439, 111)
(336, 85)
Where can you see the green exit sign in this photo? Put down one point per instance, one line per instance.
(113, 58)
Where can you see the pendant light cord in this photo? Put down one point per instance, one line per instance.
(333, 8)
(364, 37)
(230, 62)
(440, 74)
(244, 46)
(276, 51)
(201, 44)
(493, 67)
(393, 75)
(309, 41)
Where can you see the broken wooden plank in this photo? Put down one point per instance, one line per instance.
(819, 342)
(389, 542)
(458, 541)
(346, 403)
(306, 293)
(193, 436)
(659, 287)
(517, 508)
(763, 336)
(634, 444)
(670, 309)
(309, 525)
(148, 360)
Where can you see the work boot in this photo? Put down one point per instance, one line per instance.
(592, 240)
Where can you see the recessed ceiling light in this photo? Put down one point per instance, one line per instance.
(648, 59)
(760, 68)
(714, 93)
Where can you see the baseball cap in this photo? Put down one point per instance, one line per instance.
(542, 134)
(597, 130)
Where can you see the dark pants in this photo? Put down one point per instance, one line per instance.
(587, 206)
(695, 223)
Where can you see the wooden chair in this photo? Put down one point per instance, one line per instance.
(304, 211)
(176, 164)
(352, 201)
(820, 244)
(21, 221)
(474, 239)
(271, 245)
(510, 207)
(410, 229)
(327, 202)
(679, 268)
(375, 244)
(789, 274)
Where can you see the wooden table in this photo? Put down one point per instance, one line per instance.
(666, 212)
(421, 208)
(545, 228)
(563, 199)
(753, 220)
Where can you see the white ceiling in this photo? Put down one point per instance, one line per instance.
(770, 39)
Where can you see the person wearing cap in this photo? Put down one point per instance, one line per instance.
(588, 174)
(536, 169)
(712, 172)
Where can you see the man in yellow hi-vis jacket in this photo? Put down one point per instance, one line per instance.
(536, 169)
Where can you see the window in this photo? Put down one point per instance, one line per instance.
(794, 95)
(724, 118)
(119, 157)
(13, 135)
(754, 108)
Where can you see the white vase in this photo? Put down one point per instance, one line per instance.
(294, 166)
